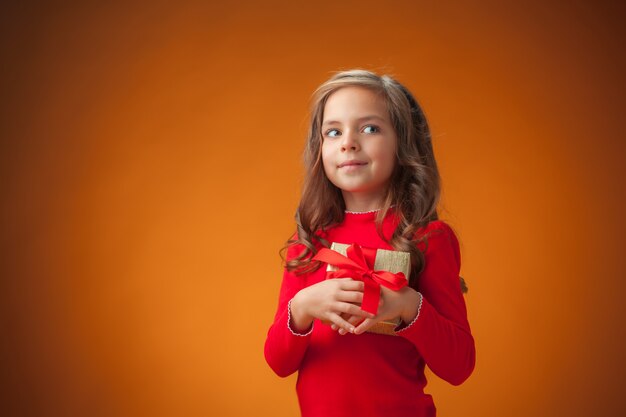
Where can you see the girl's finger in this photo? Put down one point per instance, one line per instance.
(353, 310)
(351, 285)
(365, 326)
(341, 323)
(355, 320)
(351, 296)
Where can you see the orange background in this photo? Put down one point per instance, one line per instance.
(150, 169)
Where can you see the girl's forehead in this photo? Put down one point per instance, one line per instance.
(354, 101)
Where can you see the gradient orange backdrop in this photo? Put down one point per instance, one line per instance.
(150, 169)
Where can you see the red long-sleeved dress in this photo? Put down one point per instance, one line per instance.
(371, 374)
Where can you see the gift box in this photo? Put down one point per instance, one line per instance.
(384, 260)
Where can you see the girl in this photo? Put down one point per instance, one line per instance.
(371, 179)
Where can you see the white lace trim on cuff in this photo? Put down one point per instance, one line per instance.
(289, 323)
(419, 308)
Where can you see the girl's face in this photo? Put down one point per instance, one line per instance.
(359, 143)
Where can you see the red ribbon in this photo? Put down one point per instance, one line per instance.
(356, 266)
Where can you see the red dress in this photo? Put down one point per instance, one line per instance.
(371, 374)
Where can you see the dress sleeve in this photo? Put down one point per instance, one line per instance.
(441, 331)
(285, 347)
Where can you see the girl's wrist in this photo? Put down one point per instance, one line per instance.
(412, 301)
(299, 318)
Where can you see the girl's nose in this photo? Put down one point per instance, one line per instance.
(349, 141)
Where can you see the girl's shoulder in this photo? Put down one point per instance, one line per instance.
(295, 247)
(436, 227)
(436, 234)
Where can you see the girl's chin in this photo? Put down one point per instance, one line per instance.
(362, 192)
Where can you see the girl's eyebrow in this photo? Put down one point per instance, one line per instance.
(359, 120)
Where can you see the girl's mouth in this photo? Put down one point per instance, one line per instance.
(352, 163)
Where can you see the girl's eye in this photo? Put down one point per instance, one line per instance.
(332, 133)
(371, 129)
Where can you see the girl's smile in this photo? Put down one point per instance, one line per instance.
(358, 146)
(353, 163)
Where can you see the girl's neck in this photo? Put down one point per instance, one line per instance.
(362, 202)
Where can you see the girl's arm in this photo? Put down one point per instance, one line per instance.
(299, 305)
(436, 314)
(285, 346)
(440, 330)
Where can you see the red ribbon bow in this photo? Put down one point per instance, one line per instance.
(356, 266)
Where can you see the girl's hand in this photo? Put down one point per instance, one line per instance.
(403, 304)
(353, 320)
(327, 301)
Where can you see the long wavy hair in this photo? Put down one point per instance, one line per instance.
(414, 188)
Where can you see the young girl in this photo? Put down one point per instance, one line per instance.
(371, 180)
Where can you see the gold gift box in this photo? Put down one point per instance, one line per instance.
(386, 260)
